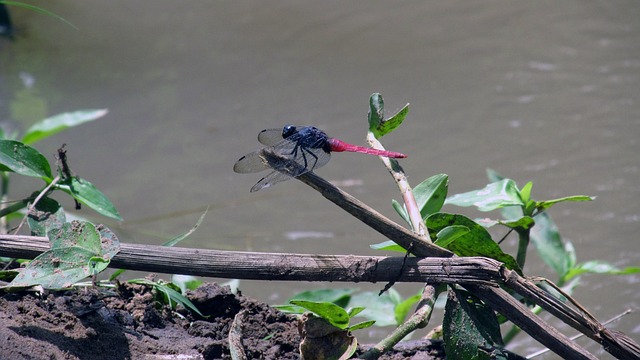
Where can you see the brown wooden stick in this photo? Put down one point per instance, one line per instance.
(476, 273)
(277, 266)
(402, 236)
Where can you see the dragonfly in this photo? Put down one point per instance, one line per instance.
(295, 150)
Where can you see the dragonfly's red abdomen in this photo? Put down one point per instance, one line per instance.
(339, 146)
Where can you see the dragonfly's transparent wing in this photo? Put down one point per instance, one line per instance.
(270, 136)
(250, 163)
(274, 177)
(286, 168)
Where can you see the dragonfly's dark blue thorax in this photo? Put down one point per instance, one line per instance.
(308, 137)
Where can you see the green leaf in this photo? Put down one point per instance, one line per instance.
(322, 340)
(108, 242)
(524, 222)
(543, 205)
(431, 194)
(86, 193)
(355, 311)
(545, 237)
(388, 246)
(289, 309)
(477, 242)
(361, 325)
(402, 310)
(525, 193)
(24, 160)
(377, 125)
(494, 196)
(376, 111)
(378, 308)
(392, 123)
(471, 329)
(177, 239)
(449, 234)
(8, 275)
(340, 297)
(38, 9)
(331, 312)
(401, 210)
(77, 251)
(60, 122)
(548, 243)
(186, 282)
(48, 215)
(600, 267)
(170, 293)
(97, 265)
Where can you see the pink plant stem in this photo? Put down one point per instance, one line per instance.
(403, 184)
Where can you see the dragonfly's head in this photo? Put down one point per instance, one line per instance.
(288, 130)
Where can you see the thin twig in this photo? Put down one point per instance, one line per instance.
(577, 336)
(32, 205)
(418, 319)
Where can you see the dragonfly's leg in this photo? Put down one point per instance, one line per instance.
(315, 159)
(304, 157)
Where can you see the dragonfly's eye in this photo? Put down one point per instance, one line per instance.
(288, 130)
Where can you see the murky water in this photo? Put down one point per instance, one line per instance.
(540, 91)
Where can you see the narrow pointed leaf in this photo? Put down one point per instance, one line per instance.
(362, 325)
(402, 310)
(60, 122)
(355, 311)
(177, 239)
(401, 210)
(38, 9)
(376, 111)
(392, 123)
(171, 294)
(600, 267)
(543, 205)
(525, 193)
(388, 246)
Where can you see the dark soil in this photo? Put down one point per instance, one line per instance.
(127, 323)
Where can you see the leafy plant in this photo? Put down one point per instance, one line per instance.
(169, 294)
(326, 330)
(469, 325)
(334, 314)
(20, 158)
(79, 249)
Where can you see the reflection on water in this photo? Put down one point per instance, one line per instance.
(545, 92)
